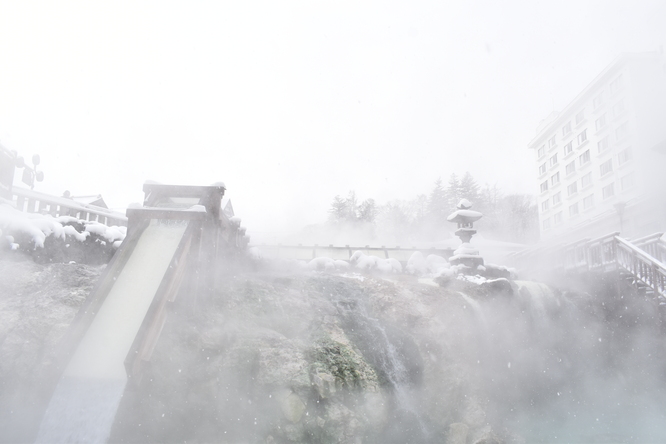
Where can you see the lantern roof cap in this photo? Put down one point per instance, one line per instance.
(461, 216)
(464, 204)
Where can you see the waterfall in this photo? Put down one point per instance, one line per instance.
(389, 351)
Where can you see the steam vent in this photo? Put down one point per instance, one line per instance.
(465, 217)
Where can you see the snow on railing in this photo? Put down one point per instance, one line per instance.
(641, 265)
(653, 245)
(30, 201)
(643, 258)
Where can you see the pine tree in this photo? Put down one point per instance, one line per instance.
(437, 203)
(453, 192)
(338, 211)
(352, 207)
(469, 189)
(367, 211)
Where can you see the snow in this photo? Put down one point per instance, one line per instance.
(198, 208)
(71, 231)
(464, 204)
(436, 264)
(39, 226)
(322, 264)
(341, 265)
(368, 262)
(465, 251)
(464, 215)
(417, 264)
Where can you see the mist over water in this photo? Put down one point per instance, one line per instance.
(574, 367)
(281, 355)
(81, 411)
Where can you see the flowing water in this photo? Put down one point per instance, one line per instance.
(395, 358)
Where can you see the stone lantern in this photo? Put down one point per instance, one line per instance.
(465, 254)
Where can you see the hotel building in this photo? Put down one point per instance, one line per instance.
(600, 164)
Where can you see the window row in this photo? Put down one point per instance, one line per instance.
(568, 148)
(605, 168)
(597, 102)
(574, 210)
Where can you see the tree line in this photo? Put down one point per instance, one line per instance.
(512, 217)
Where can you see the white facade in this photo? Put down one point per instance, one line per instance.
(600, 163)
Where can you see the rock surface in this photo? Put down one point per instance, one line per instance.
(37, 305)
(276, 357)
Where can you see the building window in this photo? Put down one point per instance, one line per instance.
(584, 158)
(573, 209)
(580, 117)
(555, 179)
(553, 160)
(600, 122)
(571, 167)
(618, 108)
(546, 224)
(568, 148)
(608, 191)
(598, 101)
(624, 156)
(557, 198)
(551, 142)
(627, 181)
(566, 129)
(582, 137)
(606, 167)
(557, 219)
(541, 151)
(544, 186)
(572, 189)
(544, 205)
(622, 131)
(603, 144)
(588, 202)
(586, 180)
(616, 84)
(542, 168)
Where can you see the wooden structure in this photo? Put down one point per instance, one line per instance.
(309, 252)
(173, 248)
(31, 201)
(642, 259)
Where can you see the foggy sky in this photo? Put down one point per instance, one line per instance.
(292, 103)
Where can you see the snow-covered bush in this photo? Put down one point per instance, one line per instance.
(58, 239)
(364, 262)
(417, 264)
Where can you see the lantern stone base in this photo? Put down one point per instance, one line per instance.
(471, 263)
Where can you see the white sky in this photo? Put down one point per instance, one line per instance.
(291, 103)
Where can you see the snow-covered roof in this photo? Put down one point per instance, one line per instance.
(95, 199)
(464, 216)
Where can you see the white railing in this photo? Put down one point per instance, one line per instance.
(643, 258)
(31, 201)
(652, 245)
(641, 265)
